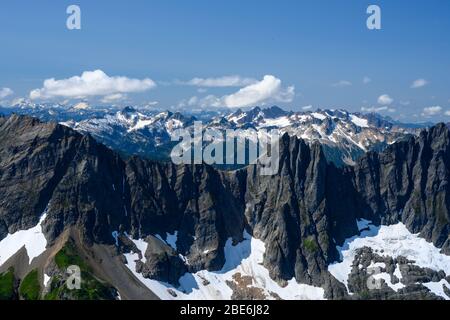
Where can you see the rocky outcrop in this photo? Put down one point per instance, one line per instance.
(302, 213)
(409, 182)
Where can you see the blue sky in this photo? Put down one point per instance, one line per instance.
(311, 52)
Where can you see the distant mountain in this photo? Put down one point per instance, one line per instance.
(134, 133)
(144, 229)
(345, 136)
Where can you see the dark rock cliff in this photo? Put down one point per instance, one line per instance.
(301, 213)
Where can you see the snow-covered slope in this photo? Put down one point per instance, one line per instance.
(345, 136)
(392, 241)
(242, 273)
(133, 132)
(32, 239)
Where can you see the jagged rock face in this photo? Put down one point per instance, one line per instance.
(194, 201)
(301, 213)
(33, 159)
(297, 215)
(409, 183)
(51, 166)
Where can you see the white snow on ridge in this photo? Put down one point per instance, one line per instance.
(245, 258)
(394, 241)
(360, 122)
(277, 122)
(33, 239)
(141, 124)
(318, 116)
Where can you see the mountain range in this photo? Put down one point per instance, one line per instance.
(344, 136)
(144, 229)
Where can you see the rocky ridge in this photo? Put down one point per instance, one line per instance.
(301, 214)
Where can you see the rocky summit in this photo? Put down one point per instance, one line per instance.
(146, 229)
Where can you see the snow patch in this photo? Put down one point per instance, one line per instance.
(387, 278)
(142, 247)
(392, 241)
(360, 122)
(32, 239)
(245, 258)
(46, 280)
(438, 288)
(278, 122)
(318, 116)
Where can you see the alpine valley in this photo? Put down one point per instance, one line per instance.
(359, 208)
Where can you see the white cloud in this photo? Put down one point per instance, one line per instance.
(192, 101)
(266, 90)
(419, 83)
(405, 103)
(307, 108)
(90, 84)
(378, 109)
(5, 92)
(385, 99)
(447, 113)
(220, 82)
(18, 101)
(210, 101)
(151, 103)
(114, 97)
(431, 111)
(367, 80)
(342, 83)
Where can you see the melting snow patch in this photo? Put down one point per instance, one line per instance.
(392, 241)
(245, 258)
(142, 247)
(33, 239)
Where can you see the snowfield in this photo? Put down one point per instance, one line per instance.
(393, 241)
(245, 258)
(33, 239)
